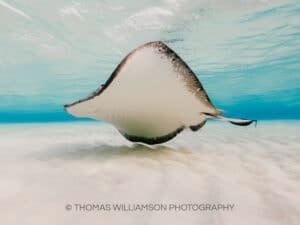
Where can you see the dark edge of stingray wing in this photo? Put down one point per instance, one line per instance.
(154, 140)
(173, 55)
(198, 126)
(109, 80)
(163, 48)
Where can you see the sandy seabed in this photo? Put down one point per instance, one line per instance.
(76, 173)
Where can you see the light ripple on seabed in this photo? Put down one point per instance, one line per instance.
(48, 166)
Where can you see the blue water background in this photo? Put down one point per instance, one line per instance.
(247, 56)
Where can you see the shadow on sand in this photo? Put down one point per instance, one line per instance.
(107, 152)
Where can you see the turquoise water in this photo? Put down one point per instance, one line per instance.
(245, 53)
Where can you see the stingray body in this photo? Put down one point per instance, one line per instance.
(150, 97)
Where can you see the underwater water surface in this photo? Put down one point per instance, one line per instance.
(245, 53)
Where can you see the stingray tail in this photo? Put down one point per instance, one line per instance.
(239, 122)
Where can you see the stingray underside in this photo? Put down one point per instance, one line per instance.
(150, 97)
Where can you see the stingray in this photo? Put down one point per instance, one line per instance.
(150, 97)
